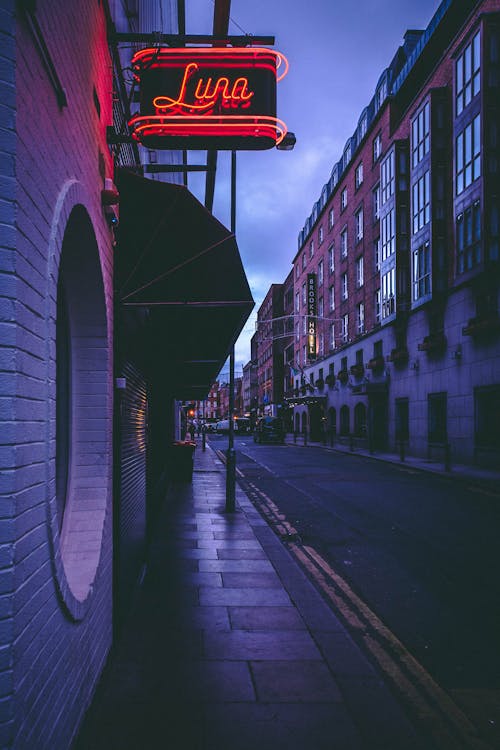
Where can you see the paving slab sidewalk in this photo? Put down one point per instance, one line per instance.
(230, 646)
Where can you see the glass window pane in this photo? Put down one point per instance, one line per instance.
(477, 135)
(460, 149)
(476, 52)
(468, 62)
(460, 74)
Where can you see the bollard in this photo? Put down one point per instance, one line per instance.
(447, 457)
(401, 450)
(203, 440)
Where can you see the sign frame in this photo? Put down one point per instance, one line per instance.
(208, 98)
(312, 323)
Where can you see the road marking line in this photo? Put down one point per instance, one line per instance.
(430, 701)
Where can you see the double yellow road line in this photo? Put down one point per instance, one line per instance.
(439, 715)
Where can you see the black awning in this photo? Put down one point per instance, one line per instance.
(175, 259)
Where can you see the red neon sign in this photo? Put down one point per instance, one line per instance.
(208, 98)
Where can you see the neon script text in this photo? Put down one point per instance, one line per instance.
(206, 93)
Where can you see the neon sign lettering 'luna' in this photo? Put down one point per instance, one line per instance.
(206, 94)
(208, 97)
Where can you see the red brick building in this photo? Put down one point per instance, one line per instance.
(403, 249)
(269, 339)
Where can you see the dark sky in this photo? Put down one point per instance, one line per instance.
(337, 50)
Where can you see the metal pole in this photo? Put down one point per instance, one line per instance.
(231, 455)
(204, 429)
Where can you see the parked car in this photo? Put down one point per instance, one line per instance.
(222, 427)
(269, 430)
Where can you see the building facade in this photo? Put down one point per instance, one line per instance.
(91, 377)
(403, 246)
(269, 340)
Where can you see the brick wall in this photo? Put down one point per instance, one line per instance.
(9, 452)
(60, 640)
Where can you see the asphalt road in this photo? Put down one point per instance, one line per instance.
(421, 550)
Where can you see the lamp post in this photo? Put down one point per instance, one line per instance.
(287, 144)
(231, 454)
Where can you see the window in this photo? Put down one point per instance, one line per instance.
(387, 178)
(420, 135)
(297, 302)
(347, 154)
(304, 293)
(331, 298)
(332, 336)
(304, 260)
(344, 420)
(402, 420)
(376, 203)
(421, 271)
(360, 420)
(358, 221)
(359, 271)
(79, 297)
(388, 293)
(344, 333)
(377, 147)
(311, 248)
(468, 238)
(331, 258)
(380, 94)
(304, 355)
(321, 344)
(343, 243)
(487, 417)
(468, 155)
(376, 254)
(320, 273)
(297, 331)
(297, 271)
(343, 199)
(436, 418)
(320, 235)
(388, 235)
(378, 306)
(468, 74)
(344, 288)
(304, 325)
(331, 218)
(421, 203)
(360, 318)
(321, 308)
(363, 126)
(358, 175)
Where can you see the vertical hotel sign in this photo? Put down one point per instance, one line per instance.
(208, 97)
(311, 316)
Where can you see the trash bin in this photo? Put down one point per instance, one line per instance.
(181, 460)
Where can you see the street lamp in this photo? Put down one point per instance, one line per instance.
(286, 144)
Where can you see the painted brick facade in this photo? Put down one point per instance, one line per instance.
(54, 636)
(10, 453)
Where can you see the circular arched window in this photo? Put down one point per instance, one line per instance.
(82, 411)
